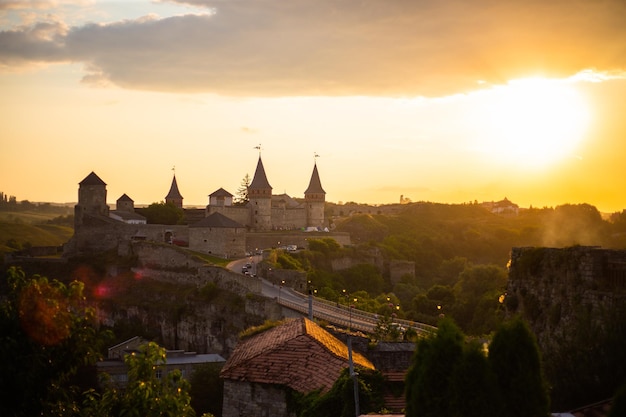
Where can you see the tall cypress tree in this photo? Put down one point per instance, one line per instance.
(515, 359)
(429, 380)
(474, 389)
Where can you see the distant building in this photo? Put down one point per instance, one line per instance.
(266, 211)
(220, 229)
(125, 211)
(183, 361)
(503, 207)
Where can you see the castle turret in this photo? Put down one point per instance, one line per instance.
(314, 198)
(125, 203)
(92, 199)
(260, 196)
(174, 196)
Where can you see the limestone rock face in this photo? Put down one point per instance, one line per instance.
(553, 287)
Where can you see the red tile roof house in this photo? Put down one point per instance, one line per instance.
(297, 355)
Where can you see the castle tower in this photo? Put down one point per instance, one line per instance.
(260, 196)
(174, 196)
(92, 199)
(125, 203)
(314, 198)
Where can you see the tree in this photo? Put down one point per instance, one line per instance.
(339, 400)
(146, 395)
(48, 334)
(207, 389)
(428, 385)
(163, 213)
(515, 359)
(242, 197)
(475, 392)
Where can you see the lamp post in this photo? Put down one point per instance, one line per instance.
(350, 307)
(280, 288)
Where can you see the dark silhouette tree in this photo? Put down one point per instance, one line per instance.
(515, 359)
(475, 392)
(242, 198)
(429, 379)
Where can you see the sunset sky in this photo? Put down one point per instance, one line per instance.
(443, 101)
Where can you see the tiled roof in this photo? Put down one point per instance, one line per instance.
(92, 179)
(298, 354)
(259, 181)
(315, 185)
(218, 220)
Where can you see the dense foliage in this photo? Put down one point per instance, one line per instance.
(48, 335)
(49, 343)
(460, 254)
(162, 213)
(145, 395)
(339, 400)
(450, 376)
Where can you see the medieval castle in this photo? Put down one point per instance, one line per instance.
(222, 228)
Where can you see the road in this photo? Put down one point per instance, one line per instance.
(337, 314)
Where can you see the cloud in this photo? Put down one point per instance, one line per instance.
(332, 47)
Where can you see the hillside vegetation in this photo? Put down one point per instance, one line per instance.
(44, 225)
(460, 254)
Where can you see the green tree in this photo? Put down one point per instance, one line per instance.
(428, 384)
(207, 389)
(48, 334)
(163, 213)
(146, 395)
(515, 359)
(242, 198)
(339, 400)
(475, 392)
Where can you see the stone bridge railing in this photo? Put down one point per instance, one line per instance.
(344, 316)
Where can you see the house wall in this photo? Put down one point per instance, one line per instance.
(244, 399)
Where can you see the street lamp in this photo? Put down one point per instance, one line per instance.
(350, 307)
(280, 288)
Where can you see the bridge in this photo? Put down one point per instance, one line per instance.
(341, 315)
(331, 312)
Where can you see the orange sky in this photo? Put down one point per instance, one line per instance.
(445, 101)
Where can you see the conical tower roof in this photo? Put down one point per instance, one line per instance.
(259, 181)
(315, 185)
(174, 194)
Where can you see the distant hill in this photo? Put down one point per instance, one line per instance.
(21, 229)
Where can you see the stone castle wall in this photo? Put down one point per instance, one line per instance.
(253, 400)
(553, 287)
(240, 214)
(263, 240)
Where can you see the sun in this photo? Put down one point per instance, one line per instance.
(533, 122)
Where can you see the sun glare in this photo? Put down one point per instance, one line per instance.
(533, 122)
